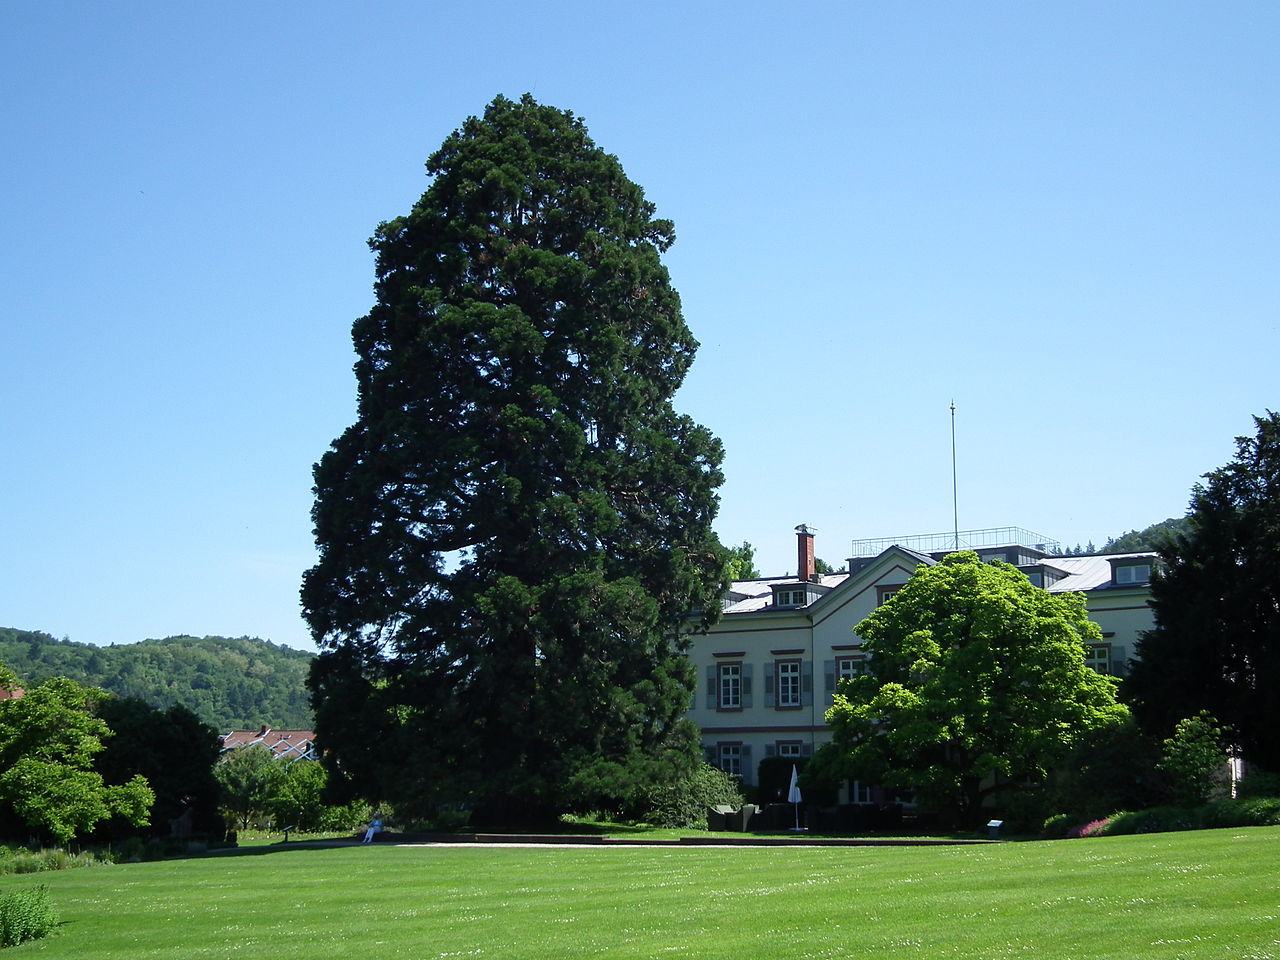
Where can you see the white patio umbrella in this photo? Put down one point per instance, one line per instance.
(793, 795)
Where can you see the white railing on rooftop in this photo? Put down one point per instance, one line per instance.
(968, 540)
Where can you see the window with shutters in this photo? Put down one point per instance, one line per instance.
(1098, 657)
(729, 757)
(849, 667)
(730, 686)
(788, 683)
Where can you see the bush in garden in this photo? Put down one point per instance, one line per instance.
(1243, 812)
(25, 915)
(22, 860)
(1194, 759)
(685, 803)
(1058, 826)
(1093, 829)
(1259, 783)
(1154, 820)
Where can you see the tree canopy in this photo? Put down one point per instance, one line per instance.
(176, 754)
(742, 562)
(518, 522)
(1148, 538)
(231, 683)
(1216, 597)
(978, 684)
(48, 740)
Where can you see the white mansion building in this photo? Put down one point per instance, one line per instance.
(767, 670)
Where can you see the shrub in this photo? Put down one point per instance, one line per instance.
(1194, 759)
(1247, 812)
(685, 803)
(1154, 820)
(1092, 829)
(130, 850)
(1058, 826)
(1243, 812)
(33, 861)
(1023, 810)
(1110, 769)
(25, 915)
(1259, 783)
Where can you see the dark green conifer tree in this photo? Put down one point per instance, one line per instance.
(1216, 642)
(518, 523)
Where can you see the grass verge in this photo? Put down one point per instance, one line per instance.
(1204, 894)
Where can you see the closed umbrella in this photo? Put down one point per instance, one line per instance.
(793, 795)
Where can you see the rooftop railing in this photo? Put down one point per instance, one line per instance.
(961, 540)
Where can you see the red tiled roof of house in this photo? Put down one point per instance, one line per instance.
(282, 743)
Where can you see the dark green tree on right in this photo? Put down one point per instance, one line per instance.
(1216, 642)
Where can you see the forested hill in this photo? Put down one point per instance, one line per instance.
(230, 683)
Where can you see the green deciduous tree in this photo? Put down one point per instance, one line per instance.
(1148, 538)
(518, 523)
(176, 753)
(1216, 642)
(299, 802)
(250, 780)
(1195, 759)
(742, 562)
(48, 741)
(978, 686)
(237, 683)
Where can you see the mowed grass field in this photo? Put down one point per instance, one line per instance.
(1206, 894)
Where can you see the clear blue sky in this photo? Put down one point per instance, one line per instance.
(1065, 217)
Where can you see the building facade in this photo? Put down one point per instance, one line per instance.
(767, 671)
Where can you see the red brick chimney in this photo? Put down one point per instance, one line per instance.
(804, 553)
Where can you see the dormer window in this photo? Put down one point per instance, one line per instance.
(791, 598)
(1042, 574)
(793, 594)
(1132, 573)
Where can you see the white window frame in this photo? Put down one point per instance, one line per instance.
(729, 758)
(729, 683)
(791, 749)
(849, 667)
(1132, 574)
(1097, 657)
(792, 598)
(787, 683)
(885, 592)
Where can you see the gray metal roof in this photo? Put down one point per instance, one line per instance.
(1082, 573)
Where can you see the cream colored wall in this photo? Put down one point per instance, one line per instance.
(816, 631)
(1125, 614)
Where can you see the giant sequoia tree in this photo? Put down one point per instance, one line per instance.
(1216, 642)
(518, 523)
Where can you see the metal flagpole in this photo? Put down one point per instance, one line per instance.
(955, 506)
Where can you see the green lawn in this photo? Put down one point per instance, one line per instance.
(1206, 894)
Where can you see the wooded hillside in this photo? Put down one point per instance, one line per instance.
(229, 683)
